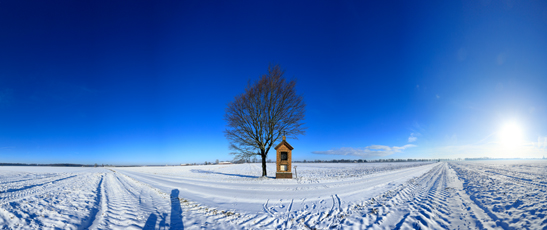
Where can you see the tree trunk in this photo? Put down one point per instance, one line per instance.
(264, 173)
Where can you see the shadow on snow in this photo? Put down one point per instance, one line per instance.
(226, 174)
(176, 215)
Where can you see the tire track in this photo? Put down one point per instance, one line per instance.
(510, 202)
(23, 192)
(35, 185)
(26, 178)
(67, 202)
(427, 202)
(128, 205)
(95, 212)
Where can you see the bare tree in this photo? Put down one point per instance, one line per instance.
(257, 118)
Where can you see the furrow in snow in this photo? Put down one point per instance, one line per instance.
(61, 204)
(510, 198)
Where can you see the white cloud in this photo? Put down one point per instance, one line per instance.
(542, 142)
(412, 138)
(437, 95)
(369, 151)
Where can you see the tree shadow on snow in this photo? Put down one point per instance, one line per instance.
(176, 211)
(225, 174)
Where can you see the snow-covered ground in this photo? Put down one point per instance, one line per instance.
(454, 195)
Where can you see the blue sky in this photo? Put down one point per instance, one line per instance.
(148, 82)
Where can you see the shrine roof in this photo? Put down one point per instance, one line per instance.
(284, 142)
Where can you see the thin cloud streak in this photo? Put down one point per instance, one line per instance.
(412, 138)
(369, 151)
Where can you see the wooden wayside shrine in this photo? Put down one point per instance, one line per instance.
(284, 159)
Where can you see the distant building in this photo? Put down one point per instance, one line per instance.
(225, 163)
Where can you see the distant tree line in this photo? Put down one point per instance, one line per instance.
(489, 158)
(241, 161)
(250, 160)
(477, 158)
(367, 161)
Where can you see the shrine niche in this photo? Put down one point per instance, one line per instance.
(284, 159)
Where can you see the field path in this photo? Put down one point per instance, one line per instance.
(47, 198)
(126, 204)
(454, 195)
(512, 195)
(88, 198)
(257, 197)
(435, 200)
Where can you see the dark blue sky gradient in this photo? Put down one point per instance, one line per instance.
(147, 82)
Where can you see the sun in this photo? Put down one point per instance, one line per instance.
(510, 134)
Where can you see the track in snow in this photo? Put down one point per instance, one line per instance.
(512, 194)
(451, 195)
(63, 199)
(126, 204)
(250, 196)
(279, 204)
(87, 199)
(434, 200)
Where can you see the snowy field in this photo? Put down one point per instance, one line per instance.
(446, 195)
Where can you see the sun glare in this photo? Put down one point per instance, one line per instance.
(510, 135)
